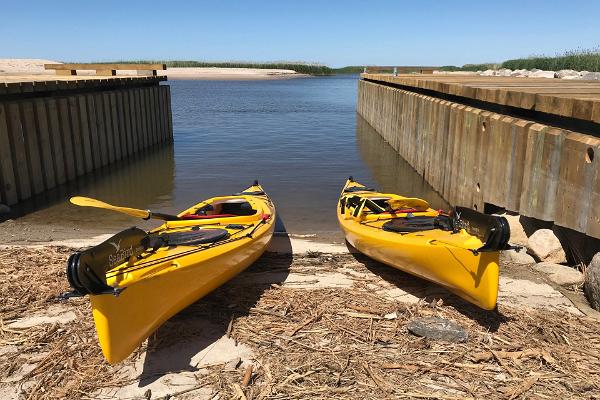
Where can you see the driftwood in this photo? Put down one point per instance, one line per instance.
(327, 343)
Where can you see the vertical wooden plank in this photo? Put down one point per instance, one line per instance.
(8, 190)
(17, 139)
(56, 141)
(144, 113)
(32, 147)
(125, 120)
(140, 119)
(67, 138)
(133, 119)
(78, 147)
(161, 114)
(119, 135)
(85, 130)
(102, 132)
(149, 115)
(93, 124)
(45, 143)
(169, 114)
(155, 113)
(108, 127)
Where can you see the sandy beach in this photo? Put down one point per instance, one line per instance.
(13, 66)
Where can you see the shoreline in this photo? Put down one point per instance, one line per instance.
(29, 67)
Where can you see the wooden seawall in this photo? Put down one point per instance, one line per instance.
(55, 129)
(528, 145)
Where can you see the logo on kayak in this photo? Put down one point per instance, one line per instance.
(117, 246)
(122, 254)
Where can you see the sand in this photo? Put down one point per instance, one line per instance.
(28, 67)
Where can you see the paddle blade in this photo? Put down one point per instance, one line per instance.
(89, 202)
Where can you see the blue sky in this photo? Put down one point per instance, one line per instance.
(336, 33)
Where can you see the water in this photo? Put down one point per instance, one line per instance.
(300, 138)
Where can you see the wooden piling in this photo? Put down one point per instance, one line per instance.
(473, 156)
(54, 131)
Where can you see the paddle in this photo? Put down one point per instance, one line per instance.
(134, 212)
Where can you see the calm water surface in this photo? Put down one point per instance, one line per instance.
(300, 138)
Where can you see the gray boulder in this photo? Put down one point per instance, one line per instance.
(591, 76)
(488, 72)
(560, 274)
(566, 74)
(436, 328)
(4, 209)
(544, 245)
(592, 282)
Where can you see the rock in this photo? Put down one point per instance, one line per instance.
(517, 257)
(591, 76)
(488, 72)
(544, 245)
(566, 74)
(591, 287)
(437, 329)
(534, 70)
(560, 274)
(504, 72)
(233, 363)
(517, 232)
(4, 209)
(520, 73)
(541, 74)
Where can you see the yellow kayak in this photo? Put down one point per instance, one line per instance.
(458, 251)
(137, 280)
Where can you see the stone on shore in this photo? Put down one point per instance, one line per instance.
(591, 76)
(542, 74)
(488, 72)
(544, 245)
(592, 282)
(4, 209)
(517, 233)
(567, 74)
(517, 257)
(520, 73)
(504, 72)
(560, 274)
(436, 328)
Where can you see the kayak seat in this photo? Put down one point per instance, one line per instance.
(194, 237)
(414, 224)
(231, 208)
(418, 224)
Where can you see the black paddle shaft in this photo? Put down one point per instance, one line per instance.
(164, 217)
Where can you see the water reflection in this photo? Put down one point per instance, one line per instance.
(143, 181)
(391, 172)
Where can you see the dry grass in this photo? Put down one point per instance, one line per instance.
(324, 343)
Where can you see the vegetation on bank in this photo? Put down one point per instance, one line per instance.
(579, 60)
(302, 68)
